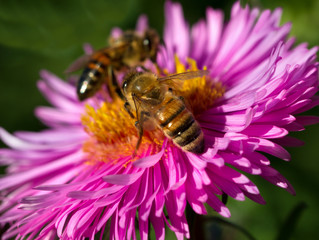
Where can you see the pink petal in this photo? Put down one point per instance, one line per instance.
(150, 160)
(123, 179)
(142, 24)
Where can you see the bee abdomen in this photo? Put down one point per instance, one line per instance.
(181, 126)
(90, 80)
(191, 140)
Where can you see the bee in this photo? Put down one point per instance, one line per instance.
(157, 105)
(129, 50)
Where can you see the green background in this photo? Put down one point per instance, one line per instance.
(37, 35)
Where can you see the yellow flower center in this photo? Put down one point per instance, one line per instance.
(113, 134)
(112, 131)
(199, 93)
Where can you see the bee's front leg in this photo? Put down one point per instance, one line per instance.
(127, 107)
(113, 85)
(158, 69)
(139, 126)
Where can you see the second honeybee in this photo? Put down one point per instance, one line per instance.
(126, 51)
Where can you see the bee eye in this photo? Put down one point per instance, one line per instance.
(124, 84)
(147, 44)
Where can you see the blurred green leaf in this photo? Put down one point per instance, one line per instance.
(288, 227)
(49, 34)
(55, 26)
(233, 225)
(303, 15)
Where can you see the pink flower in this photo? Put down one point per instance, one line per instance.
(78, 178)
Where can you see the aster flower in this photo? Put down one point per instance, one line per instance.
(78, 179)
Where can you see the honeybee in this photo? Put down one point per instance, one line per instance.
(128, 50)
(157, 105)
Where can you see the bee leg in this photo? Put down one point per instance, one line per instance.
(127, 107)
(139, 126)
(158, 69)
(113, 85)
(140, 135)
(109, 77)
(144, 68)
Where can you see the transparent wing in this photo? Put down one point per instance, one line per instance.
(184, 76)
(176, 80)
(82, 61)
(144, 114)
(78, 64)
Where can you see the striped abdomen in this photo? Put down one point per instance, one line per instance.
(179, 124)
(93, 75)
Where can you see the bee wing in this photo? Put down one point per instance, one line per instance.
(177, 79)
(82, 61)
(140, 103)
(143, 114)
(184, 75)
(78, 64)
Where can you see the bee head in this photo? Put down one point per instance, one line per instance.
(128, 79)
(138, 82)
(150, 43)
